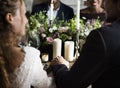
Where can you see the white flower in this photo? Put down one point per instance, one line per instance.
(51, 30)
(43, 35)
(54, 28)
(63, 29)
(87, 33)
(38, 24)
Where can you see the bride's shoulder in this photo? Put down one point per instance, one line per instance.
(29, 50)
(31, 54)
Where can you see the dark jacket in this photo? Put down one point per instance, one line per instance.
(98, 63)
(91, 16)
(65, 12)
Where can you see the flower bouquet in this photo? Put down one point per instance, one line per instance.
(42, 34)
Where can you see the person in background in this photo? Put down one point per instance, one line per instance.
(19, 65)
(99, 61)
(29, 5)
(61, 10)
(93, 11)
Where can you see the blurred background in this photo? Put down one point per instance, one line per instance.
(71, 3)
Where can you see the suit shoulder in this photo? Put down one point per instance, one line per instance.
(66, 6)
(40, 5)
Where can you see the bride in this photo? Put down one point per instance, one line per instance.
(22, 64)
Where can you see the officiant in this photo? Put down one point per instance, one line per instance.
(61, 11)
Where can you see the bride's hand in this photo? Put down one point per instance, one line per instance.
(59, 60)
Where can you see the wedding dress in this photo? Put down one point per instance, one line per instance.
(31, 72)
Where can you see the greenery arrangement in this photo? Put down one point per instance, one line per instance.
(39, 27)
(42, 33)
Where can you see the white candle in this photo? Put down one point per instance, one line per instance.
(57, 45)
(78, 15)
(45, 57)
(69, 50)
(51, 10)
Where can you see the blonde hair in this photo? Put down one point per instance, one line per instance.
(11, 56)
(4, 79)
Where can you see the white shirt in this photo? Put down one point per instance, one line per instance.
(31, 72)
(54, 13)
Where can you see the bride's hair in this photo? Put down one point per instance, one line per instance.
(10, 56)
(4, 81)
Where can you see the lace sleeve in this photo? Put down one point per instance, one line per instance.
(39, 76)
(31, 72)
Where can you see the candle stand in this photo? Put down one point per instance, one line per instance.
(50, 23)
(77, 44)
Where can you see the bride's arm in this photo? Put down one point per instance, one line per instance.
(40, 77)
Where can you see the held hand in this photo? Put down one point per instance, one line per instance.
(59, 60)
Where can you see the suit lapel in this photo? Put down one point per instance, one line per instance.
(59, 15)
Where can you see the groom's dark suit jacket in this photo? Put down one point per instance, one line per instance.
(98, 64)
(65, 12)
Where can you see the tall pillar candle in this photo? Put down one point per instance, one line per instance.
(51, 10)
(69, 50)
(57, 45)
(78, 15)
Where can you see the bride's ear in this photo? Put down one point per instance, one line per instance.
(9, 17)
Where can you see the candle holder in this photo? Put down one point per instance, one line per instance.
(77, 44)
(50, 23)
